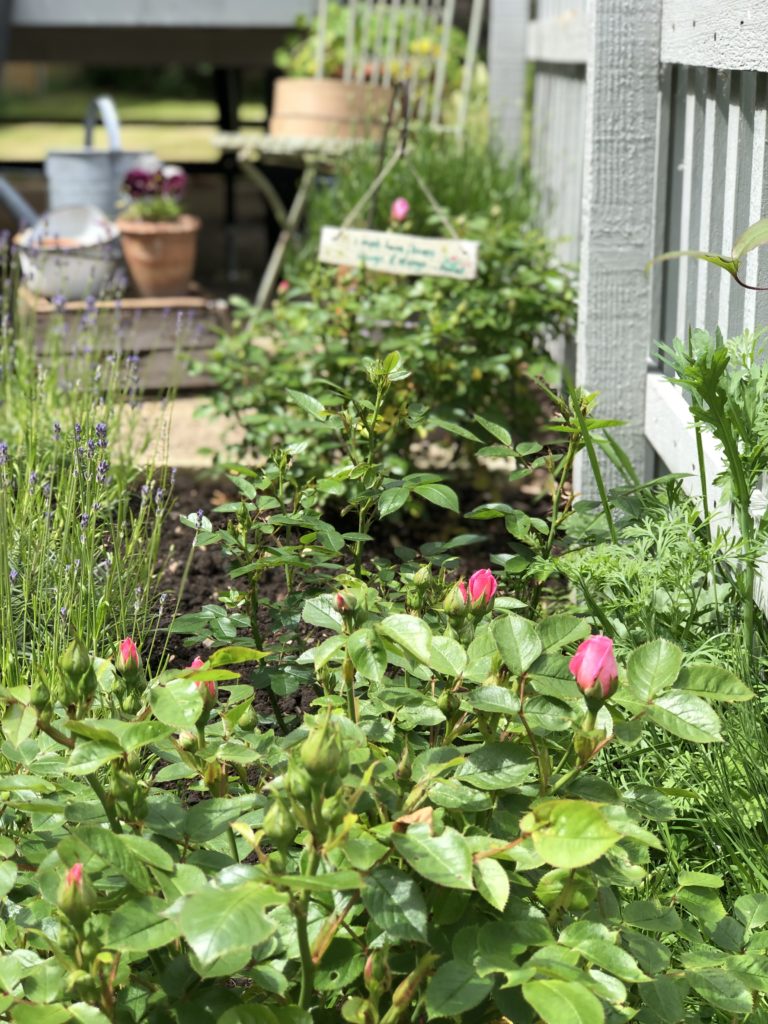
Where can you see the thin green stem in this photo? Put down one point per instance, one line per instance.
(593, 462)
(109, 810)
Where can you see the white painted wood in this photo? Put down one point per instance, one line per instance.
(716, 34)
(688, 225)
(559, 40)
(715, 276)
(223, 14)
(670, 430)
(741, 197)
(506, 62)
(753, 271)
(617, 227)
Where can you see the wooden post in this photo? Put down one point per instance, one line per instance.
(507, 29)
(618, 229)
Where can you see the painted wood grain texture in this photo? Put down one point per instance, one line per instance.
(507, 67)
(617, 229)
(559, 40)
(716, 34)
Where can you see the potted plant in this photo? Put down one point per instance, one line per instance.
(159, 240)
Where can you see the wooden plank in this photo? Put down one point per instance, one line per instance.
(715, 34)
(717, 211)
(741, 196)
(669, 429)
(508, 20)
(149, 14)
(660, 200)
(617, 227)
(558, 40)
(756, 303)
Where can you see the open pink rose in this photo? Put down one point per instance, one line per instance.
(594, 667)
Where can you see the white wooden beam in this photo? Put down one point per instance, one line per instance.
(507, 24)
(559, 40)
(618, 232)
(715, 34)
(150, 14)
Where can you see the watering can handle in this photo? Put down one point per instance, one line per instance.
(103, 108)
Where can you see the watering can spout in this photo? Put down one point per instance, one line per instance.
(17, 204)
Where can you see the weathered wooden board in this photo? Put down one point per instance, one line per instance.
(559, 40)
(163, 333)
(715, 34)
(389, 252)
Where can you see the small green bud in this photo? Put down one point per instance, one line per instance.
(76, 897)
(40, 698)
(298, 782)
(75, 661)
(455, 603)
(322, 752)
(188, 740)
(279, 827)
(449, 702)
(334, 808)
(422, 577)
(249, 719)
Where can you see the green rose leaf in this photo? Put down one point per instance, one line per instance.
(410, 633)
(712, 683)
(563, 1002)
(569, 833)
(217, 922)
(178, 703)
(558, 631)
(492, 882)
(455, 988)
(367, 654)
(518, 642)
(445, 859)
(653, 668)
(396, 904)
(686, 716)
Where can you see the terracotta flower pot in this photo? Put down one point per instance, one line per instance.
(328, 108)
(160, 255)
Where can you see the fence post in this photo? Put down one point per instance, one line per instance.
(507, 29)
(618, 232)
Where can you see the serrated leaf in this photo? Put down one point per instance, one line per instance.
(445, 859)
(396, 904)
(712, 683)
(368, 655)
(557, 631)
(447, 657)
(454, 989)
(569, 833)
(563, 1002)
(686, 716)
(410, 633)
(178, 704)
(492, 882)
(217, 922)
(497, 766)
(518, 642)
(653, 668)
(322, 612)
(495, 429)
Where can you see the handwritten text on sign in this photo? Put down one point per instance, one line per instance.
(391, 253)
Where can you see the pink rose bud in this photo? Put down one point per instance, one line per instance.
(282, 287)
(594, 667)
(482, 587)
(75, 875)
(208, 684)
(399, 209)
(127, 660)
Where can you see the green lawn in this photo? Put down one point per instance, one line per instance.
(29, 141)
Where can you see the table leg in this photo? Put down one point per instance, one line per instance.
(274, 263)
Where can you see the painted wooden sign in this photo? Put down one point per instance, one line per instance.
(390, 252)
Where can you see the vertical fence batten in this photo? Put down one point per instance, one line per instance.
(507, 26)
(617, 217)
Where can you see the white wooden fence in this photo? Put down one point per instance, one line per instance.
(649, 131)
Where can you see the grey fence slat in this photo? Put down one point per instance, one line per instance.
(617, 226)
(742, 194)
(721, 100)
(755, 306)
(661, 194)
